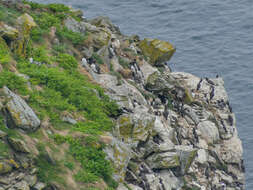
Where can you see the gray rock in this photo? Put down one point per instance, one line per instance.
(39, 186)
(209, 131)
(18, 145)
(23, 185)
(74, 26)
(147, 70)
(31, 180)
(69, 120)
(125, 94)
(165, 160)
(19, 113)
(105, 22)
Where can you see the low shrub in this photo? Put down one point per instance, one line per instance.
(74, 37)
(13, 82)
(66, 61)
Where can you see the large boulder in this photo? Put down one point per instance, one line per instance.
(18, 113)
(135, 127)
(158, 51)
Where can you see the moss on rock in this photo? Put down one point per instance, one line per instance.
(158, 51)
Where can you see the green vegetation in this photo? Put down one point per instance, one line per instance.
(13, 82)
(4, 52)
(4, 150)
(71, 91)
(92, 159)
(123, 63)
(47, 172)
(67, 61)
(8, 15)
(74, 37)
(54, 90)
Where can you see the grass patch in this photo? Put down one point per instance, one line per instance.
(92, 159)
(8, 15)
(74, 37)
(4, 150)
(123, 63)
(47, 172)
(13, 82)
(71, 91)
(4, 52)
(66, 61)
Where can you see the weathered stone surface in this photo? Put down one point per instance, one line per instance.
(135, 127)
(74, 25)
(120, 154)
(19, 113)
(158, 51)
(23, 185)
(125, 94)
(147, 70)
(39, 186)
(18, 145)
(8, 32)
(165, 160)
(105, 22)
(5, 167)
(209, 131)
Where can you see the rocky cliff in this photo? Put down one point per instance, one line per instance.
(85, 107)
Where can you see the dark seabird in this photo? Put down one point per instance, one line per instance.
(217, 76)
(230, 120)
(166, 112)
(199, 84)
(229, 107)
(224, 127)
(212, 93)
(209, 81)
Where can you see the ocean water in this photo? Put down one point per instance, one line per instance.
(211, 36)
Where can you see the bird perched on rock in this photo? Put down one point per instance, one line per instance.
(199, 84)
(210, 81)
(212, 93)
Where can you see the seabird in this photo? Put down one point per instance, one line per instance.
(229, 107)
(209, 81)
(224, 127)
(230, 120)
(212, 93)
(199, 84)
(166, 112)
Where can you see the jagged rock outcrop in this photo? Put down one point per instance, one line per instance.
(183, 136)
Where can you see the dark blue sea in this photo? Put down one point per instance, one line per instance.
(211, 36)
